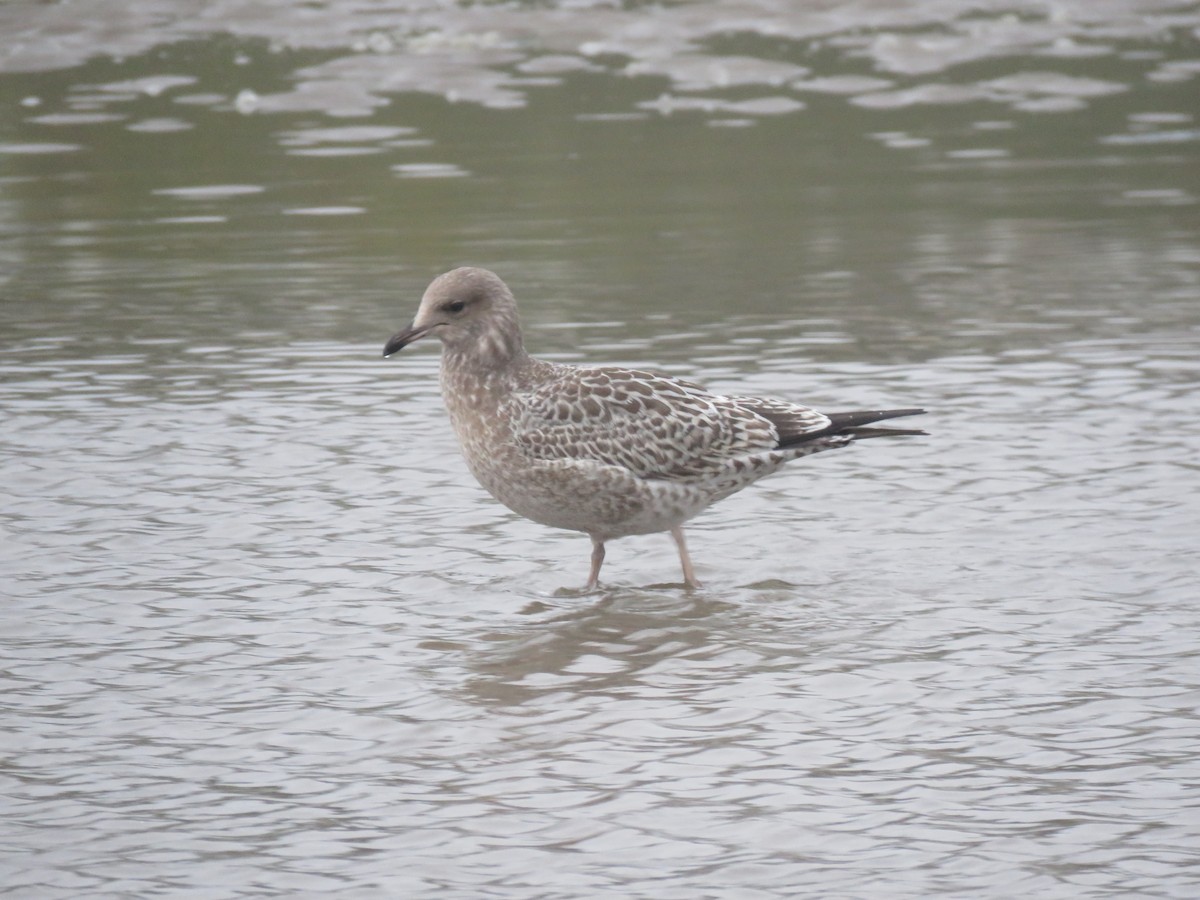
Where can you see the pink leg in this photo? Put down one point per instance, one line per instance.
(597, 561)
(689, 576)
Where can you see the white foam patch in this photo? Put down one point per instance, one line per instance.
(210, 191)
(325, 211)
(77, 118)
(429, 170)
(160, 125)
(36, 149)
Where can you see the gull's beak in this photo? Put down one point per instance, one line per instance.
(402, 339)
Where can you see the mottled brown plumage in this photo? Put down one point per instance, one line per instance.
(604, 450)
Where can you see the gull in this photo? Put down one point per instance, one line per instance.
(604, 450)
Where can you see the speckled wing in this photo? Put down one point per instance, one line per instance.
(653, 425)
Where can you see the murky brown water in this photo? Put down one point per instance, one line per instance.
(261, 635)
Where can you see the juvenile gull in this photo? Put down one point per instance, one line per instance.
(601, 449)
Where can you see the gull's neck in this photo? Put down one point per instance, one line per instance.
(495, 354)
(479, 375)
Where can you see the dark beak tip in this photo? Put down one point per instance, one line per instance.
(402, 339)
(397, 342)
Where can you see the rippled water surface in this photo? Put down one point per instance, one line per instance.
(261, 634)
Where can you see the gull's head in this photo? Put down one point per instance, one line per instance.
(469, 310)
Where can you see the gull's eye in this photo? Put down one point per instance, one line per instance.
(455, 306)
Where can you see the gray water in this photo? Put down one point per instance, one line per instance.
(261, 634)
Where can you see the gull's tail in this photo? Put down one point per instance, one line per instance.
(852, 425)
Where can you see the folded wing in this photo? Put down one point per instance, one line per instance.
(653, 425)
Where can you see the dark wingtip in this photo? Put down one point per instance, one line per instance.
(853, 423)
(844, 420)
(861, 433)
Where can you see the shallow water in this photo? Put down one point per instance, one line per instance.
(261, 633)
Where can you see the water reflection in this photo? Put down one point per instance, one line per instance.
(595, 644)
